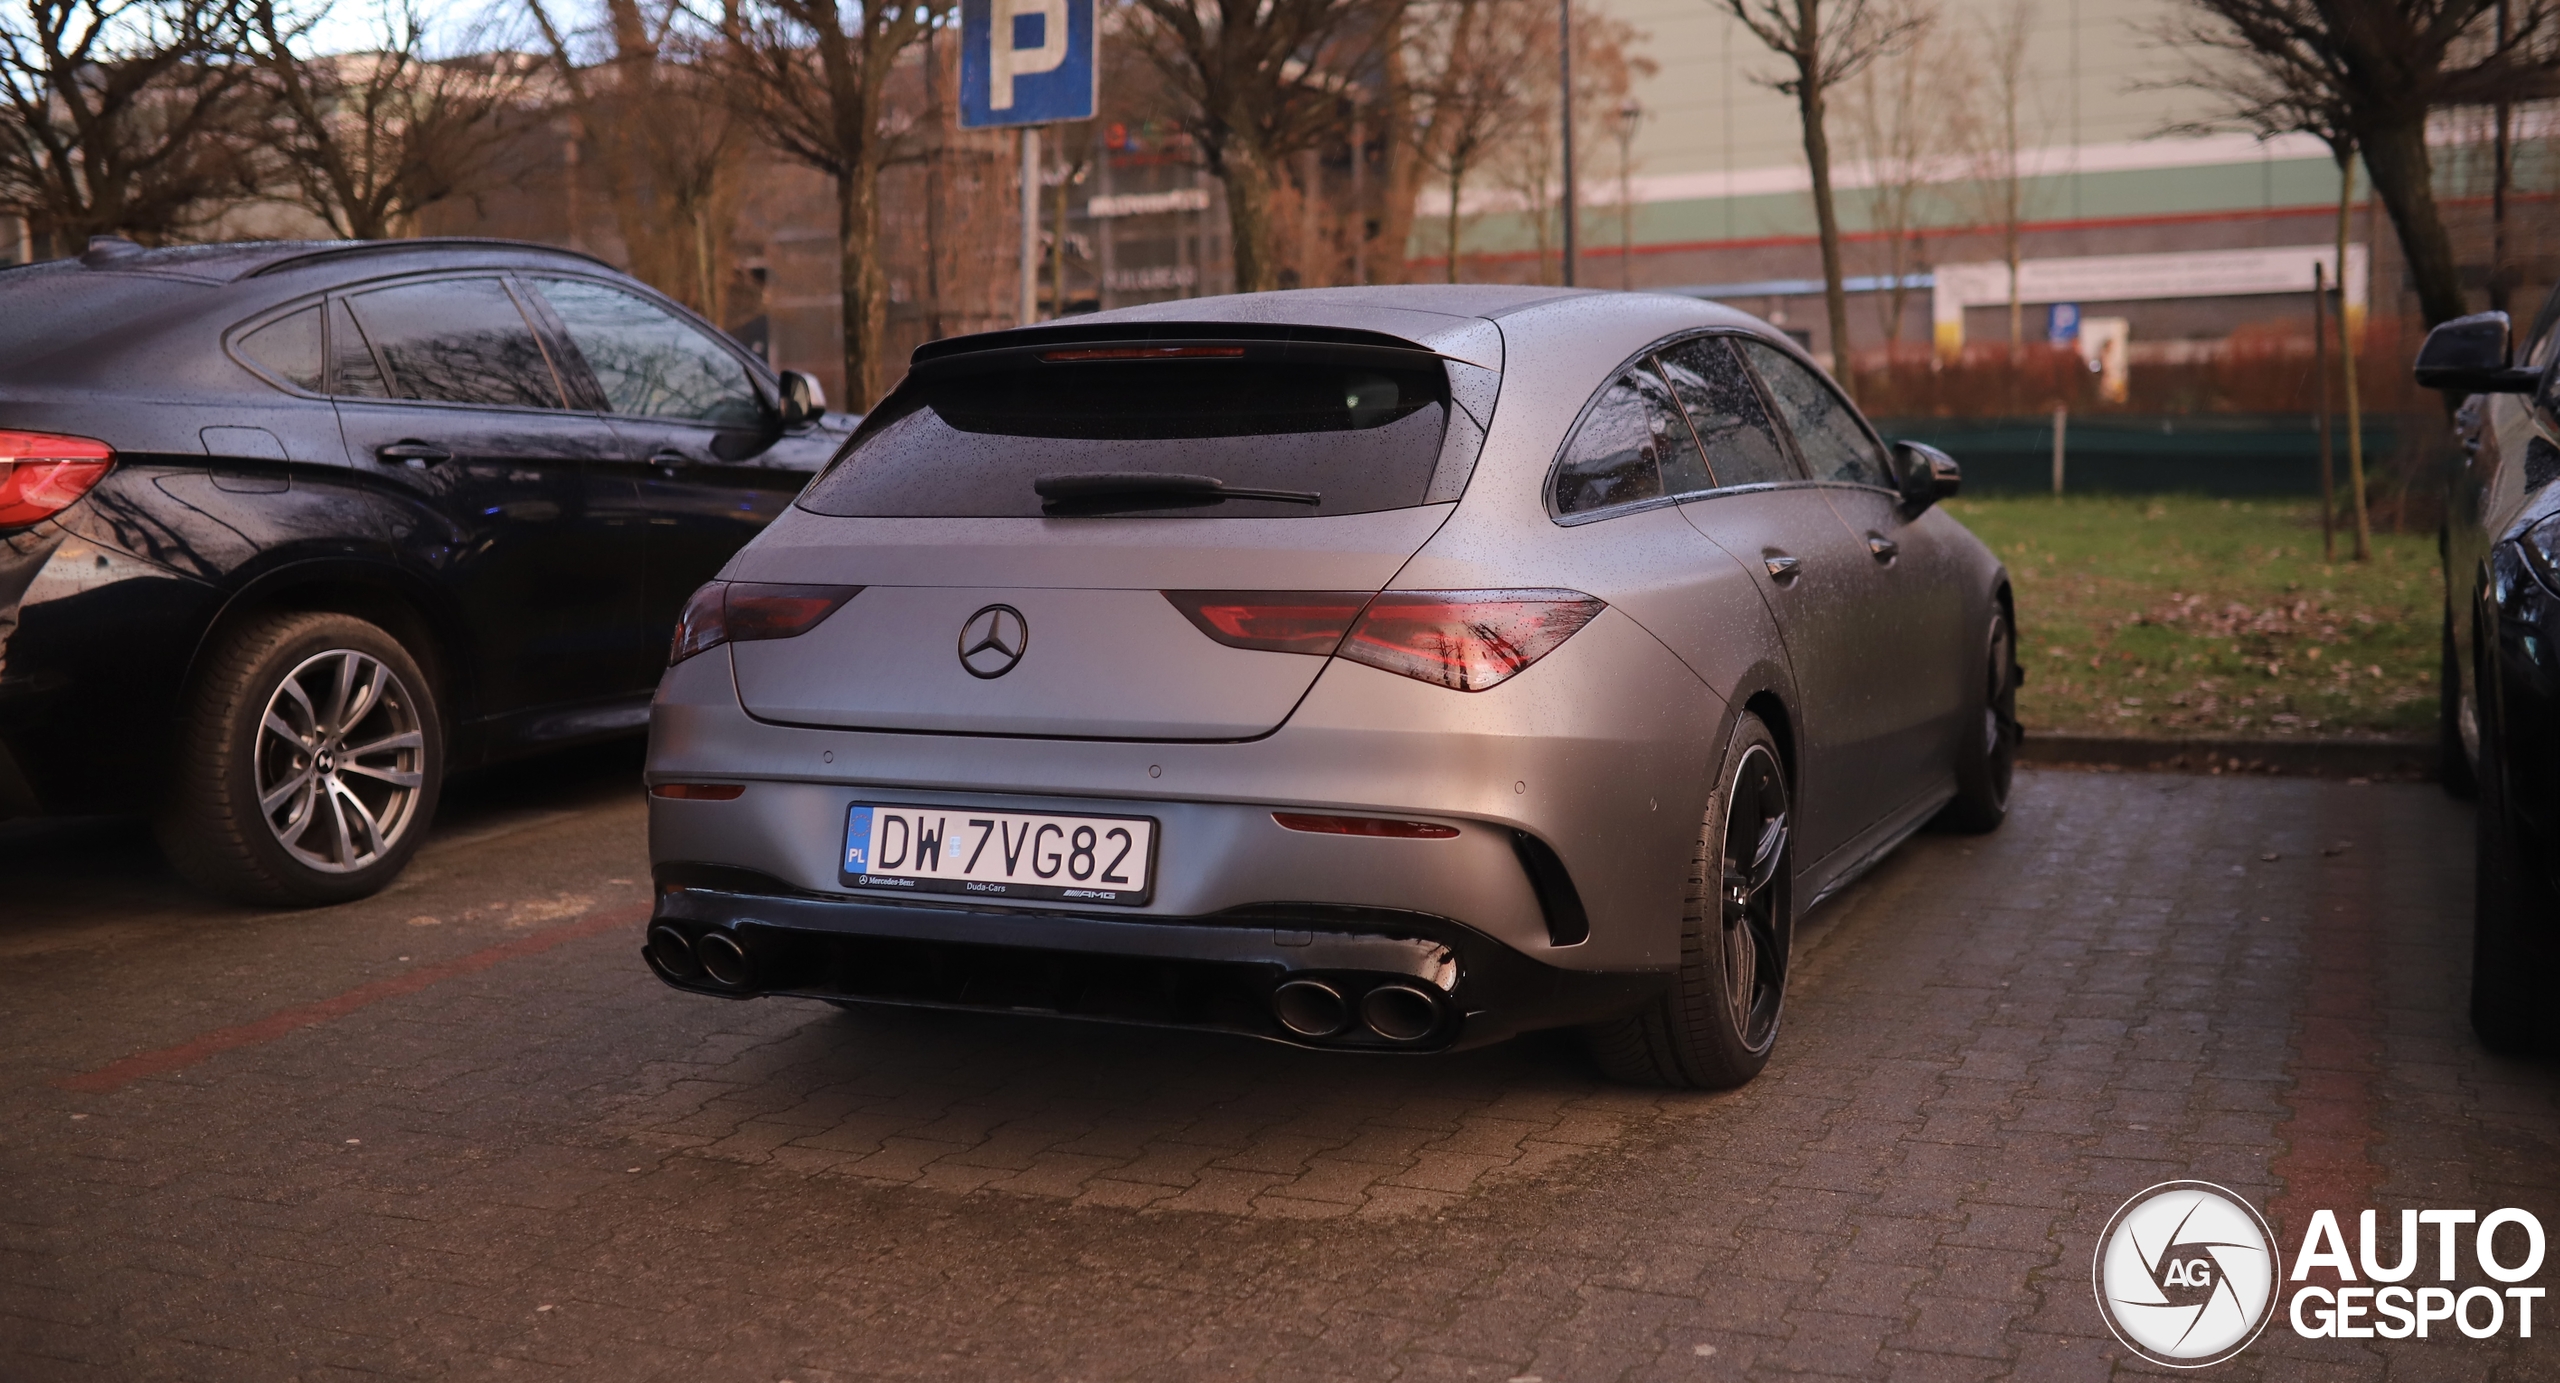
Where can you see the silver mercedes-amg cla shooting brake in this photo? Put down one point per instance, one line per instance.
(1386, 669)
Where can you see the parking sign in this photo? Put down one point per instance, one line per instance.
(1025, 62)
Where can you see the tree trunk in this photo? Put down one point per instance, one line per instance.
(2396, 155)
(1826, 217)
(865, 288)
(1248, 176)
(1403, 174)
(1457, 179)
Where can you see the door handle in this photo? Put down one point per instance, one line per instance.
(411, 452)
(1882, 548)
(1782, 568)
(670, 460)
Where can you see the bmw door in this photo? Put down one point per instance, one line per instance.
(445, 390)
(714, 464)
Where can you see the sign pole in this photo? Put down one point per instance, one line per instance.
(1030, 224)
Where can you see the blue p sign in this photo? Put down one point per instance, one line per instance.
(1025, 62)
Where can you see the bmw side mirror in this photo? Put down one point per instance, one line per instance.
(2468, 355)
(802, 400)
(1925, 475)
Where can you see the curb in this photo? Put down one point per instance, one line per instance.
(2399, 759)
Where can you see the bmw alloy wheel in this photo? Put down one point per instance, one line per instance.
(339, 761)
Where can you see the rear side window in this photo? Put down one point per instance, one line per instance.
(1359, 436)
(353, 372)
(457, 341)
(1835, 444)
(650, 363)
(289, 348)
(1726, 413)
(1632, 446)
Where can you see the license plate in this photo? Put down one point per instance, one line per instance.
(1081, 859)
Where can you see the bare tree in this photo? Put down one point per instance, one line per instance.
(1998, 152)
(1905, 126)
(653, 115)
(1526, 158)
(366, 140)
(1468, 94)
(123, 116)
(1260, 80)
(813, 75)
(1826, 44)
(2373, 69)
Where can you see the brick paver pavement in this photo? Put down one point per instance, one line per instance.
(457, 1131)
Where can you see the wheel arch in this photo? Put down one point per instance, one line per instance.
(403, 606)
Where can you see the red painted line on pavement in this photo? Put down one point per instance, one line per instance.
(2336, 1061)
(119, 1074)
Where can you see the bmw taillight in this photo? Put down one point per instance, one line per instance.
(41, 474)
(1462, 640)
(740, 611)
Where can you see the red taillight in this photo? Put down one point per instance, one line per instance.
(700, 792)
(1466, 640)
(1273, 621)
(1364, 826)
(737, 611)
(1463, 640)
(41, 474)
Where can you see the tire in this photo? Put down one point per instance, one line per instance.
(2453, 757)
(2514, 912)
(1716, 1024)
(270, 716)
(1987, 751)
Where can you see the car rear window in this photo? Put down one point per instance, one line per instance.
(1360, 435)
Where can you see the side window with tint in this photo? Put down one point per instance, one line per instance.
(650, 363)
(1725, 411)
(1835, 444)
(1631, 447)
(353, 372)
(289, 348)
(457, 341)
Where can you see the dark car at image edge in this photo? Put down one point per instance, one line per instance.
(2501, 678)
(290, 529)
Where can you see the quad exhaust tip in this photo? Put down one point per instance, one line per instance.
(673, 951)
(1394, 1011)
(1310, 1008)
(1400, 1012)
(723, 959)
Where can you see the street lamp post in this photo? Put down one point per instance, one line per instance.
(1629, 112)
(1564, 75)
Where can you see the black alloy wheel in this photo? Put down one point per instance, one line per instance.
(1987, 753)
(1715, 1025)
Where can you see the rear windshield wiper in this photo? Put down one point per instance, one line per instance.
(1151, 490)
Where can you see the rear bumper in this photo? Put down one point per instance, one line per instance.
(1599, 757)
(1223, 972)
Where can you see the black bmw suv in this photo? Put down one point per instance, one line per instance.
(289, 529)
(2501, 682)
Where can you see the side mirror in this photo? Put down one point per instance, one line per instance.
(1925, 475)
(802, 400)
(2468, 355)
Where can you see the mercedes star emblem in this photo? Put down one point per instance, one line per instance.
(992, 641)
